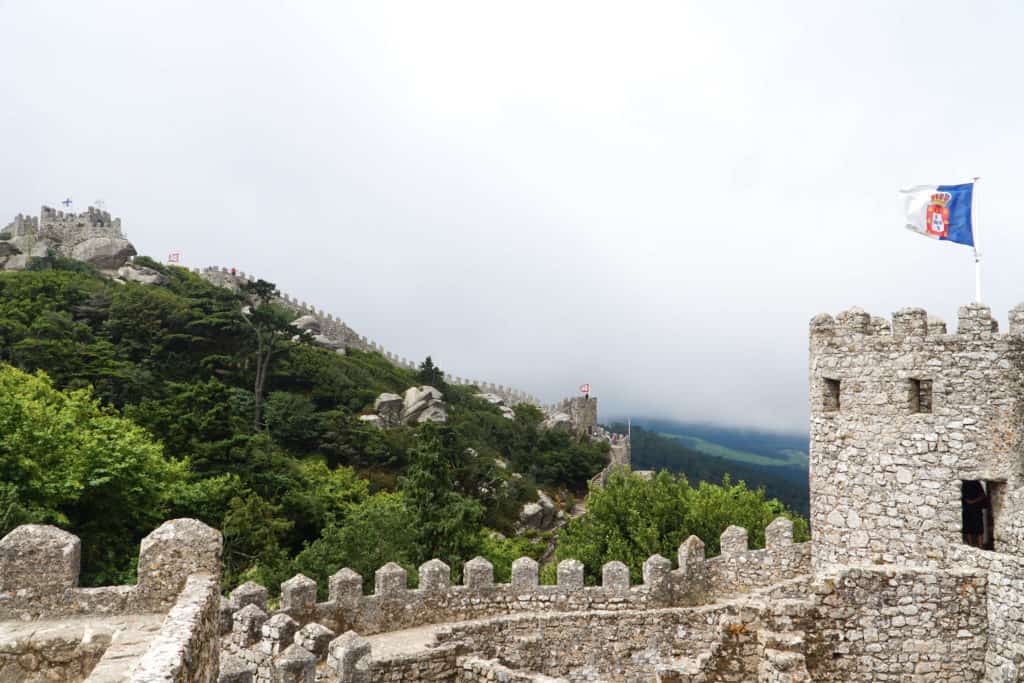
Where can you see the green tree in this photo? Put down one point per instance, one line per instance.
(271, 329)
(79, 464)
(430, 374)
(447, 522)
(379, 530)
(633, 518)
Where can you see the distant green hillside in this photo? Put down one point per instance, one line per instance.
(785, 480)
(778, 458)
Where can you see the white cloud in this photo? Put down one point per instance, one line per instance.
(652, 197)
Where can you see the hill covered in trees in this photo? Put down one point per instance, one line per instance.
(657, 450)
(125, 404)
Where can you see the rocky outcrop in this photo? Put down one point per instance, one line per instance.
(389, 408)
(558, 420)
(105, 253)
(506, 410)
(423, 404)
(418, 405)
(142, 275)
(541, 515)
(308, 323)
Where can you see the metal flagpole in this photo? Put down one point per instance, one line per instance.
(977, 251)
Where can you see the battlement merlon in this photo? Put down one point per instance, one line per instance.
(973, 320)
(39, 568)
(393, 605)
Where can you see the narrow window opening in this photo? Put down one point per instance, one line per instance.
(831, 395)
(920, 396)
(981, 503)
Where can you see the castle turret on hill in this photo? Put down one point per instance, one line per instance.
(92, 236)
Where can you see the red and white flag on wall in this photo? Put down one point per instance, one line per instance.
(584, 388)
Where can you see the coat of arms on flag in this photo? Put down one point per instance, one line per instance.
(942, 212)
(937, 216)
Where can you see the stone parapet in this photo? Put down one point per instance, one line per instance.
(39, 568)
(394, 606)
(187, 649)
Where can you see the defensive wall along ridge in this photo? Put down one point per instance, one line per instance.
(345, 337)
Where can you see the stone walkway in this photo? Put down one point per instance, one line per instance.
(411, 641)
(68, 649)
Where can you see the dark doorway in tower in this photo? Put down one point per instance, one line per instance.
(980, 502)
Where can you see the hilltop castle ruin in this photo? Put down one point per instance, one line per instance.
(91, 236)
(902, 413)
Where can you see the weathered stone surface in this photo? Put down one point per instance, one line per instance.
(570, 574)
(308, 323)
(435, 575)
(142, 275)
(389, 407)
(525, 573)
(423, 404)
(39, 559)
(615, 576)
(106, 253)
(349, 656)
(247, 624)
(391, 579)
(345, 586)
(478, 573)
(295, 665)
(540, 515)
(298, 594)
(172, 552)
(374, 420)
(315, 638)
(234, 670)
(249, 593)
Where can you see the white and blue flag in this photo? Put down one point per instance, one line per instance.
(942, 212)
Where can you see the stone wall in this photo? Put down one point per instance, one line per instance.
(885, 476)
(50, 655)
(343, 335)
(187, 649)
(393, 606)
(39, 567)
(110, 628)
(476, 670)
(1005, 610)
(899, 624)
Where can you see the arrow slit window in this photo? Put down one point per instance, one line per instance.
(920, 396)
(830, 395)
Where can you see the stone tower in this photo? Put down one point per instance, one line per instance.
(901, 414)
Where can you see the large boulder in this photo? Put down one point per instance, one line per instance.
(423, 404)
(541, 515)
(389, 407)
(561, 421)
(506, 410)
(141, 274)
(333, 344)
(307, 323)
(106, 253)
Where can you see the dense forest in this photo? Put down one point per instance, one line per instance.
(122, 405)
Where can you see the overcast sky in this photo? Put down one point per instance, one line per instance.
(651, 197)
